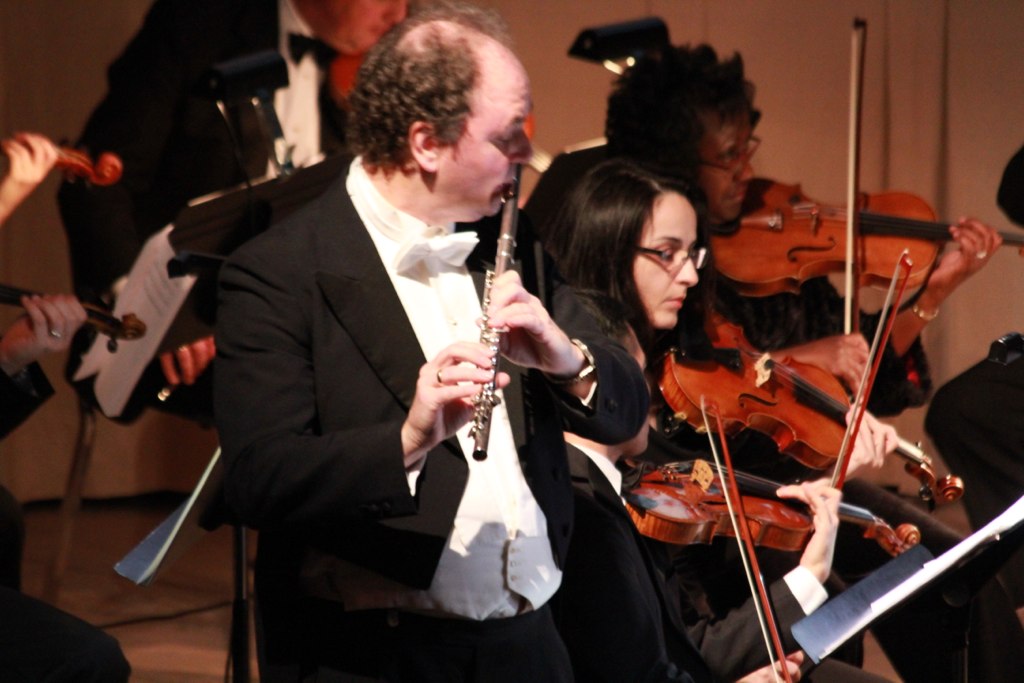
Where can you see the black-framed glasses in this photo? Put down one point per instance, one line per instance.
(735, 159)
(673, 259)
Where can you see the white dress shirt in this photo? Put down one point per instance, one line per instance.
(298, 105)
(498, 561)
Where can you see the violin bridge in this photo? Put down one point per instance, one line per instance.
(702, 474)
(762, 368)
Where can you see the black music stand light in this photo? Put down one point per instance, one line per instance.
(614, 43)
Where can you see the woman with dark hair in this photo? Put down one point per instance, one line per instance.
(630, 236)
(619, 212)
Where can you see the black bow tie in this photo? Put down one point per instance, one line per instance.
(299, 45)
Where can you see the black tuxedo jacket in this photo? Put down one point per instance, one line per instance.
(315, 373)
(175, 146)
(16, 404)
(172, 139)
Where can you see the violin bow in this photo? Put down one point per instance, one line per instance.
(738, 517)
(851, 279)
(901, 275)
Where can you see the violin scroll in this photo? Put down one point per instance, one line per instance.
(127, 327)
(893, 541)
(932, 490)
(106, 171)
(950, 488)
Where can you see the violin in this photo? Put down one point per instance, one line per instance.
(106, 171)
(785, 238)
(683, 503)
(800, 406)
(127, 327)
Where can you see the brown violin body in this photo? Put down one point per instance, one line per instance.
(671, 506)
(785, 238)
(748, 395)
(800, 406)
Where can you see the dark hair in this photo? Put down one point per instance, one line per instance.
(656, 110)
(424, 69)
(594, 235)
(609, 313)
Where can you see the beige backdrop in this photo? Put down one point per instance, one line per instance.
(942, 115)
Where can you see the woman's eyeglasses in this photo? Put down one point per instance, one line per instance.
(673, 259)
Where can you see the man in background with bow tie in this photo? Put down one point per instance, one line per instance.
(348, 360)
(175, 145)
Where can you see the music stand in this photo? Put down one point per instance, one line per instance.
(212, 227)
(951, 579)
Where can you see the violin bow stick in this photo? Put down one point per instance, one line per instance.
(738, 517)
(851, 279)
(890, 308)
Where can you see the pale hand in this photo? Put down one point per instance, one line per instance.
(444, 396)
(185, 364)
(875, 440)
(31, 156)
(766, 675)
(976, 243)
(823, 503)
(843, 355)
(48, 325)
(532, 339)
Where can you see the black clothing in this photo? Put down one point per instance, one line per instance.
(316, 370)
(613, 610)
(975, 422)
(175, 146)
(39, 642)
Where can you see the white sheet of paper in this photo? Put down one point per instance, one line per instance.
(155, 297)
(1007, 520)
(168, 541)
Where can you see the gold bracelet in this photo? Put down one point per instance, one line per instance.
(924, 315)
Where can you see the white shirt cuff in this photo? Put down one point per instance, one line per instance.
(413, 473)
(805, 588)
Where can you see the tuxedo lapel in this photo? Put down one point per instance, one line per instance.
(360, 295)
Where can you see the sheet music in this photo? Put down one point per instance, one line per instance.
(155, 298)
(168, 541)
(1007, 520)
(856, 608)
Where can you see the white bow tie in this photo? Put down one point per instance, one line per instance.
(451, 249)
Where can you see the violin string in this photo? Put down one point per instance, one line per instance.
(827, 404)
